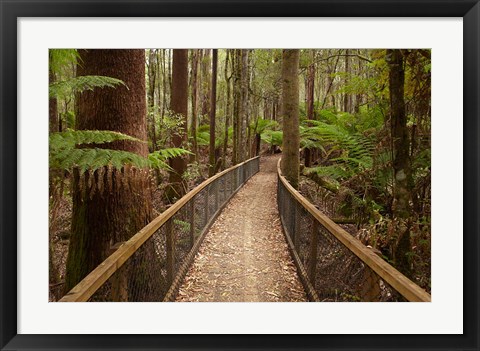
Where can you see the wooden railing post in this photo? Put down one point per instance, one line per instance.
(217, 189)
(370, 290)
(192, 222)
(170, 251)
(312, 262)
(207, 204)
(293, 222)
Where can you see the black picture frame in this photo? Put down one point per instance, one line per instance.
(11, 10)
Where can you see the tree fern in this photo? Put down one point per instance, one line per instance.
(272, 137)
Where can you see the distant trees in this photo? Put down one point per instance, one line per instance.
(109, 205)
(290, 100)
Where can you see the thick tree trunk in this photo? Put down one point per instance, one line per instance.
(290, 101)
(401, 161)
(179, 106)
(109, 205)
(213, 107)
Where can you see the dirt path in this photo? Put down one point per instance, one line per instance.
(245, 256)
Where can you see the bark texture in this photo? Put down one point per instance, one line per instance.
(290, 99)
(213, 107)
(401, 160)
(179, 106)
(109, 205)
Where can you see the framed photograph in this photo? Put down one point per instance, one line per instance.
(442, 39)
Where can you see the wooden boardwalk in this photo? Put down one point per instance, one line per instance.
(244, 256)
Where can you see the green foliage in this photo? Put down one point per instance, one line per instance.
(272, 137)
(64, 154)
(261, 125)
(70, 138)
(158, 159)
(60, 58)
(203, 136)
(71, 86)
(354, 150)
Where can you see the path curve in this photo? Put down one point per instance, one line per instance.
(244, 256)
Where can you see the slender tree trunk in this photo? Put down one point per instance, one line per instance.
(347, 97)
(52, 104)
(290, 101)
(243, 111)
(104, 217)
(205, 91)
(227, 110)
(310, 103)
(164, 81)
(236, 105)
(213, 107)
(194, 104)
(151, 95)
(179, 106)
(401, 161)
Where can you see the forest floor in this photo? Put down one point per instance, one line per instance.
(244, 256)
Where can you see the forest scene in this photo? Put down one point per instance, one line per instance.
(239, 175)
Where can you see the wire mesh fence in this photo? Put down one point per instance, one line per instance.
(153, 269)
(333, 269)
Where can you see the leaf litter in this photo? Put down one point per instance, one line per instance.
(244, 256)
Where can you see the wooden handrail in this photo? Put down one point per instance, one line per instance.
(96, 278)
(397, 280)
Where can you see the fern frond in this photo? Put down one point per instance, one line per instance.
(158, 159)
(74, 85)
(93, 159)
(70, 138)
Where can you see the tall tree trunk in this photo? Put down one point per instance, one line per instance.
(347, 97)
(310, 102)
(245, 101)
(194, 104)
(101, 218)
(179, 106)
(164, 82)
(52, 103)
(401, 161)
(290, 101)
(205, 91)
(227, 110)
(151, 95)
(243, 111)
(213, 107)
(236, 104)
